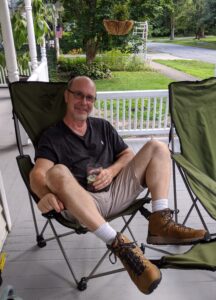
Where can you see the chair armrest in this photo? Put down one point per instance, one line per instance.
(25, 166)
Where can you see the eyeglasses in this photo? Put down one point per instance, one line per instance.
(81, 96)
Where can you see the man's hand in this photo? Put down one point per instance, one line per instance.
(50, 202)
(103, 179)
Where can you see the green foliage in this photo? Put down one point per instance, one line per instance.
(146, 10)
(115, 60)
(132, 45)
(52, 63)
(88, 18)
(23, 60)
(118, 61)
(120, 11)
(42, 15)
(19, 26)
(69, 41)
(75, 67)
(2, 59)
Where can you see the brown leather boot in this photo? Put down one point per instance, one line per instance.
(164, 231)
(143, 273)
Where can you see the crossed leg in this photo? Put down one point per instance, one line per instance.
(74, 197)
(152, 167)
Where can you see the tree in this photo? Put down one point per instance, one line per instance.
(141, 10)
(199, 18)
(174, 9)
(157, 12)
(210, 14)
(88, 16)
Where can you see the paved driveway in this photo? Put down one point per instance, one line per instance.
(183, 51)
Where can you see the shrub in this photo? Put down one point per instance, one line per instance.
(115, 59)
(78, 67)
(118, 61)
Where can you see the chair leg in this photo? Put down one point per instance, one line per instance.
(63, 251)
(92, 273)
(194, 200)
(33, 214)
(175, 192)
(128, 228)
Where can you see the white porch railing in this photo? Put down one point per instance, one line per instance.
(135, 112)
(40, 73)
(4, 74)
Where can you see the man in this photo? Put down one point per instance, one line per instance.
(59, 180)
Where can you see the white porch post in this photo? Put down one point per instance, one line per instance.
(9, 48)
(31, 34)
(44, 60)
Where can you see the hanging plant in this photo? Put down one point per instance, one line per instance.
(116, 27)
(119, 24)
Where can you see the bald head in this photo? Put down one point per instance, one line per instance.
(81, 80)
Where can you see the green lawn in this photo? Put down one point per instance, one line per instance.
(123, 81)
(195, 68)
(208, 42)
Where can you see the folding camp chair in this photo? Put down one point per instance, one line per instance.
(37, 105)
(193, 118)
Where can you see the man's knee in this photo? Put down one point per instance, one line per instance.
(58, 176)
(158, 148)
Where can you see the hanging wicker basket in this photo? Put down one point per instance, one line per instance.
(116, 27)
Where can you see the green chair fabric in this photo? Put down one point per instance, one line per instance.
(201, 256)
(38, 105)
(193, 111)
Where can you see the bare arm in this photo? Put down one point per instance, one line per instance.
(106, 175)
(48, 200)
(123, 159)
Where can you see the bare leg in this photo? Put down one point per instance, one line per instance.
(153, 168)
(78, 201)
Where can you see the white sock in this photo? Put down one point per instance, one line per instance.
(159, 204)
(106, 233)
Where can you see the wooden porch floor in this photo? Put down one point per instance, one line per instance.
(42, 274)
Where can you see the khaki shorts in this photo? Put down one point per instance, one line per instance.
(122, 193)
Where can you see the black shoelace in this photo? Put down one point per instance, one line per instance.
(129, 257)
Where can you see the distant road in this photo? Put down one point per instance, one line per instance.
(183, 51)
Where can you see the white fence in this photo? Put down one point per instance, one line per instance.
(135, 112)
(132, 113)
(40, 73)
(4, 74)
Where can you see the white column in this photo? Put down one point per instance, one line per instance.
(31, 34)
(44, 60)
(56, 38)
(43, 51)
(9, 48)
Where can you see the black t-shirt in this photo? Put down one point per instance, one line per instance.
(100, 144)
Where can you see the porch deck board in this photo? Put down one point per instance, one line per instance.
(42, 274)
